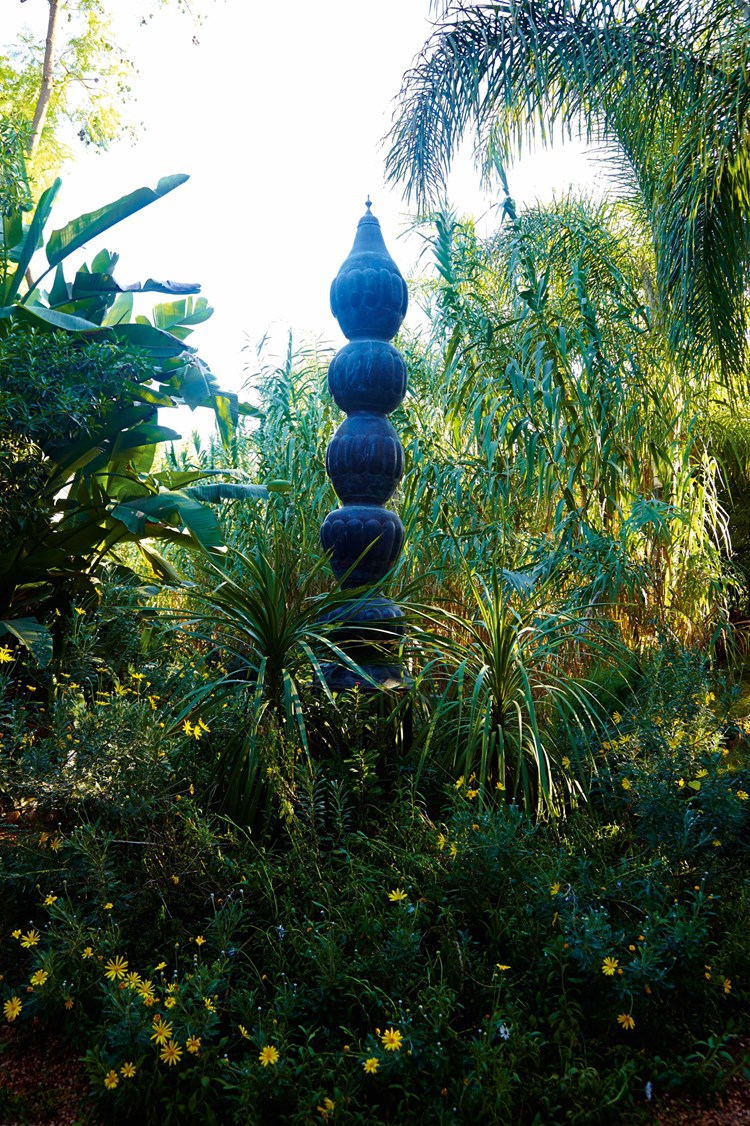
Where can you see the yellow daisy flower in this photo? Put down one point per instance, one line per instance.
(391, 1039)
(268, 1055)
(116, 968)
(171, 1053)
(12, 1009)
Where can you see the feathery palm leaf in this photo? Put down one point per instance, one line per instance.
(666, 81)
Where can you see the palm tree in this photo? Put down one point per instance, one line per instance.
(664, 83)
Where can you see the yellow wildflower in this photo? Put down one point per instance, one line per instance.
(371, 1065)
(171, 1053)
(12, 1009)
(111, 1079)
(30, 939)
(626, 1021)
(162, 1030)
(327, 1109)
(116, 968)
(392, 1040)
(268, 1055)
(609, 966)
(397, 895)
(128, 1070)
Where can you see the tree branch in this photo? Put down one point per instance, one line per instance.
(45, 90)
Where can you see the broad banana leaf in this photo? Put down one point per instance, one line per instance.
(222, 490)
(170, 508)
(43, 317)
(86, 227)
(31, 633)
(86, 284)
(161, 345)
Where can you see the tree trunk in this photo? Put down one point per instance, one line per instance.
(45, 90)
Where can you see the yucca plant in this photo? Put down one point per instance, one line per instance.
(264, 635)
(506, 676)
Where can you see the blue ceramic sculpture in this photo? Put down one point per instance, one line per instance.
(365, 459)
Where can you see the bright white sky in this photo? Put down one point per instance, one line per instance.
(277, 116)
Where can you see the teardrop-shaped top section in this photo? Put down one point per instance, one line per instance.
(369, 295)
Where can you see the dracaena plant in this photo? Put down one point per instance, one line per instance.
(264, 633)
(506, 700)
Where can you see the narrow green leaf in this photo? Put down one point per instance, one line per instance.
(30, 243)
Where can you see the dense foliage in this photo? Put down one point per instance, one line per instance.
(514, 890)
(384, 950)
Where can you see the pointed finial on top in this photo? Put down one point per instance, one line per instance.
(368, 202)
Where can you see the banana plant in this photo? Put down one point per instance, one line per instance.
(98, 488)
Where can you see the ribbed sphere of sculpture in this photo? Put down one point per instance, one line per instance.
(375, 620)
(365, 460)
(356, 528)
(367, 375)
(368, 295)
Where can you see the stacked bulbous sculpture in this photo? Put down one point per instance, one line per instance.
(365, 459)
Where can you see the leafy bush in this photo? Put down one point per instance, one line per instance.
(470, 964)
